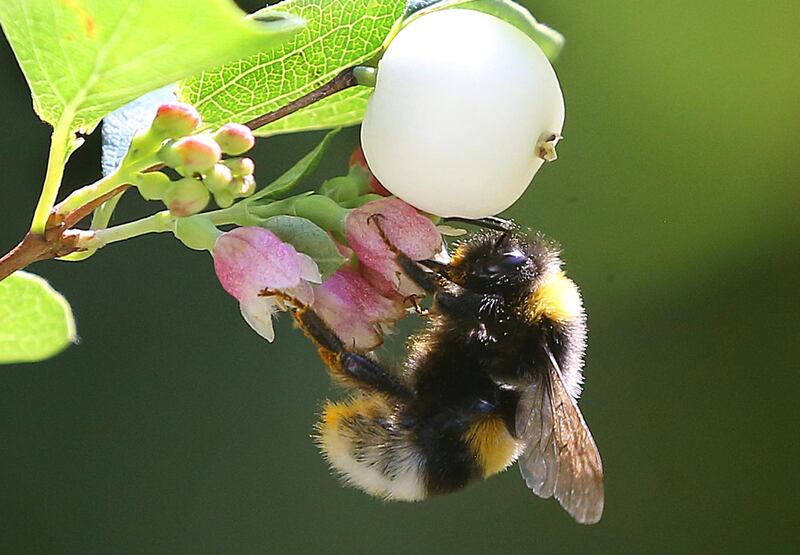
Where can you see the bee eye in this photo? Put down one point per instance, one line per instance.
(507, 261)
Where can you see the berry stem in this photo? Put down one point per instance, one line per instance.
(344, 80)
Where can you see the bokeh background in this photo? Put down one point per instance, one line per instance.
(172, 428)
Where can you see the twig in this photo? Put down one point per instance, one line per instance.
(344, 80)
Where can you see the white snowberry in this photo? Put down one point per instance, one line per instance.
(465, 111)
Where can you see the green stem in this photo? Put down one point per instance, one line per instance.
(56, 160)
(102, 215)
(124, 174)
(159, 223)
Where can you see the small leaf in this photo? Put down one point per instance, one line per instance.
(85, 58)
(294, 175)
(36, 322)
(549, 40)
(339, 34)
(308, 238)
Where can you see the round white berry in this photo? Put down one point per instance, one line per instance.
(465, 111)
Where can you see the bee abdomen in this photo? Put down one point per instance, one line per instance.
(371, 448)
(364, 442)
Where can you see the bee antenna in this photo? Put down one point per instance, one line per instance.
(489, 222)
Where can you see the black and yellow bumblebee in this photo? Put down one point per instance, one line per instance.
(492, 379)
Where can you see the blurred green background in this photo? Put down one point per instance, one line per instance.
(172, 428)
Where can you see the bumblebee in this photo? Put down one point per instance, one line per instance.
(492, 379)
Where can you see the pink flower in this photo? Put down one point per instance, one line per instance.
(354, 310)
(410, 232)
(250, 260)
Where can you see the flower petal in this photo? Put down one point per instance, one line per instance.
(309, 271)
(257, 312)
(354, 310)
(405, 228)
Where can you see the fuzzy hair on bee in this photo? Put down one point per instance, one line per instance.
(492, 379)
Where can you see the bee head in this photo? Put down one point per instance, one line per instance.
(501, 262)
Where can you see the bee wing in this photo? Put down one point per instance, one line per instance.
(561, 458)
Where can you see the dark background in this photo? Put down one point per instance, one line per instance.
(172, 428)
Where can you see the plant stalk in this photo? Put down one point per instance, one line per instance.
(344, 80)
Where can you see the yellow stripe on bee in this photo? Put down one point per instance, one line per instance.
(333, 413)
(492, 445)
(557, 299)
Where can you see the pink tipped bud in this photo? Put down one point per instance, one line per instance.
(358, 159)
(186, 197)
(241, 166)
(176, 119)
(218, 178)
(196, 153)
(235, 138)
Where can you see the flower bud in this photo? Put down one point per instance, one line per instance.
(186, 197)
(243, 186)
(176, 119)
(234, 138)
(224, 198)
(153, 185)
(486, 113)
(240, 166)
(218, 178)
(196, 153)
(197, 233)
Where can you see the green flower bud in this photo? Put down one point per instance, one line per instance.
(240, 166)
(143, 143)
(243, 186)
(153, 185)
(223, 198)
(343, 189)
(186, 197)
(197, 233)
(218, 178)
(168, 155)
(235, 138)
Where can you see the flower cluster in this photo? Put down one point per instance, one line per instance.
(198, 158)
(359, 301)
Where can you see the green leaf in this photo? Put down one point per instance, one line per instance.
(549, 40)
(308, 238)
(85, 58)
(294, 175)
(339, 34)
(36, 322)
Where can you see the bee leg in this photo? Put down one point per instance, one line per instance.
(412, 299)
(352, 368)
(489, 222)
(411, 268)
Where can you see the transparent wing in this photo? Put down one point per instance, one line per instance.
(539, 462)
(561, 458)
